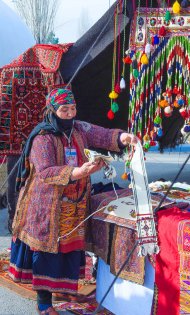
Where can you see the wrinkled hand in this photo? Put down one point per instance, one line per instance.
(127, 138)
(87, 169)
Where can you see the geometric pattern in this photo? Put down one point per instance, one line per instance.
(147, 22)
(24, 84)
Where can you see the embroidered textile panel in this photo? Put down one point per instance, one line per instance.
(148, 21)
(23, 100)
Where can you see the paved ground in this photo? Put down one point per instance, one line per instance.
(158, 166)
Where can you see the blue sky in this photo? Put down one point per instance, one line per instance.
(76, 16)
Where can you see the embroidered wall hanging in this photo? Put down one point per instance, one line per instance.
(24, 84)
(159, 71)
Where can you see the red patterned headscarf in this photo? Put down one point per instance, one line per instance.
(58, 97)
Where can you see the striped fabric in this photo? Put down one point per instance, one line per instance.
(146, 230)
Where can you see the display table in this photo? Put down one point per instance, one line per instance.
(112, 239)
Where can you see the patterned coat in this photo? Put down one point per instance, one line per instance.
(49, 195)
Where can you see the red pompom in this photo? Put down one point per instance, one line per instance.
(162, 31)
(110, 115)
(175, 90)
(127, 60)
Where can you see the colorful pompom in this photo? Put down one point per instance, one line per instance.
(162, 31)
(110, 115)
(135, 73)
(117, 88)
(122, 84)
(114, 107)
(124, 176)
(144, 59)
(113, 95)
(168, 111)
(127, 60)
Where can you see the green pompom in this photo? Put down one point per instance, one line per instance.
(158, 120)
(114, 107)
(135, 73)
(146, 146)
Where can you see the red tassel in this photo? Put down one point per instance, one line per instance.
(117, 88)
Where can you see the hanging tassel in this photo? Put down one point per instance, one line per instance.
(160, 132)
(127, 60)
(168, 111)
(148, 49)
(114, 107)
(113, 95)
(110, 115)
(135, 73)
(183, 113)
(156, 40)
(144, 59)
(117, 88)
(176, 7)
(175, 90)
(124, 176)
(122, 84)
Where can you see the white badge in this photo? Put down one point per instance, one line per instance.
(71, 157)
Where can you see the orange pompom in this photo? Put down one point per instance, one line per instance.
(124, 176)
(163, 103)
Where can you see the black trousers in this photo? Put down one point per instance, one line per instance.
(44, 297)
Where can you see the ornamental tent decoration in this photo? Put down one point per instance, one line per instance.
(24, 84)
(161, 88)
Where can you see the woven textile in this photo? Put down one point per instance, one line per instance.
(86, 308)
(24, 85)
(184, 268)
(111, 237)
(171, 294)
(148, 21)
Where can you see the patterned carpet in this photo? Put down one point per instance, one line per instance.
(86, 308)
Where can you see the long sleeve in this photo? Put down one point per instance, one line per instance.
(43, 157)
(99, 137)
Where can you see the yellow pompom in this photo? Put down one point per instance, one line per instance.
(146, 138)
(113, 95)
(176, 7)
(144, 59)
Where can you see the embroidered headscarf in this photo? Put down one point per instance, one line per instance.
(58, 97)
(51, 124)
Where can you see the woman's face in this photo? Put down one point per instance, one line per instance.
(66, 111)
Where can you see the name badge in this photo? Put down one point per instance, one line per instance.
(71, 157)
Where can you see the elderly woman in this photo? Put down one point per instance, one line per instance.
(53, 180)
